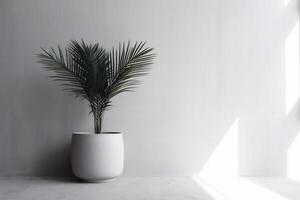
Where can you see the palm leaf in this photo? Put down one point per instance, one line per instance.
(70, 74)
(88, 71)
(125, 65)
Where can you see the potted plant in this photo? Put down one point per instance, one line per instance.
(90, 72)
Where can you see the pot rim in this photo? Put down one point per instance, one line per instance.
(92, 133)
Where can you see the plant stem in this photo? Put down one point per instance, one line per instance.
(97, 124)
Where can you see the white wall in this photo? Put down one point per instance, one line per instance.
(216, 61)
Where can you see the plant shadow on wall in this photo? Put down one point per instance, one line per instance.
(50, 146)
(220, 176)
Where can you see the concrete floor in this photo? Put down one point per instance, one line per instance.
(288, 189)
(122, 189)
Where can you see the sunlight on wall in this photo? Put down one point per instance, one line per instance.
(223, 162)
(293, 159)
(219, 177)
(292, 67)
(286, 2)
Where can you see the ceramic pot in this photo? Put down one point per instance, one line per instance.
(97, 157)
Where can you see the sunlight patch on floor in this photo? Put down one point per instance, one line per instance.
(219, 177)
(293, 159)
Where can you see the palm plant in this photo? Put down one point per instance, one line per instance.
(90, 72)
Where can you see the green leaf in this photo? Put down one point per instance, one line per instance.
(90, 72)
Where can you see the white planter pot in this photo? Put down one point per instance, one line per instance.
(97, 157)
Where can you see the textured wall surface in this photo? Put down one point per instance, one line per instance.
(217, 61)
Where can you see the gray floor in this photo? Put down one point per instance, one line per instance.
(285, 187)
(122, 189)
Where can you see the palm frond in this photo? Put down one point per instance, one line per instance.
(125, 65)
(90, 72)
(70, 74)
(94, 59)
